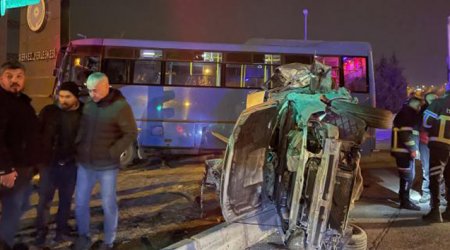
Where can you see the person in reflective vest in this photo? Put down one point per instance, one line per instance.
(436, 121)
(425, 152)
(405, 140)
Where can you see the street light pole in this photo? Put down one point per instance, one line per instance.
(305, 14)
(448, 53)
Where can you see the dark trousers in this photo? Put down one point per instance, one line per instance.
(406, 172)
(12, 201)
(439, 167)
(55, 177)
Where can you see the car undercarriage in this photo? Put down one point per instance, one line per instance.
(298, 150)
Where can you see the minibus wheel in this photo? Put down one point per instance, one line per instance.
(128, 156)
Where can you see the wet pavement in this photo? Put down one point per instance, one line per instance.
(159, 204)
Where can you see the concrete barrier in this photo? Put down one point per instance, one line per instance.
(237, 235)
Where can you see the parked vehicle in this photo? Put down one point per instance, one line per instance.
(183, 92)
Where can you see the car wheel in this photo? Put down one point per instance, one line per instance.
(358, 240)
(128, 156)
(374, 117)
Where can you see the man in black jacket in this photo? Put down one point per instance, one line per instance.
(59, 127)
(405, 140)
(18, 147)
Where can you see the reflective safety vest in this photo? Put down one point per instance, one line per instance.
(436, 120)
(404, 140)
(405, 132)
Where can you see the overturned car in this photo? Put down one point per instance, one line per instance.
(297, 150)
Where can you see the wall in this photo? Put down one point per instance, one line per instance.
(3, 38)
(33, 47)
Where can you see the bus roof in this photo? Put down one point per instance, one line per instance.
(252, 45)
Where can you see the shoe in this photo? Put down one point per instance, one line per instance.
(446, 215)
(20, 246)
(425, 198)
(4, 246)
(443, 201)
(60, 237)
(106, 246)
(83, 242)
(40, 239)
(409, 205)
(434, 216)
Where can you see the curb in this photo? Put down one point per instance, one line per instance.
(236, 235)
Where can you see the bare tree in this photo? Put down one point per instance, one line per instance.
(390, 84)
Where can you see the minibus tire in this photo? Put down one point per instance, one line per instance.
(128, 156)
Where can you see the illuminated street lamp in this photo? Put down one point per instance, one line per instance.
(305, 14)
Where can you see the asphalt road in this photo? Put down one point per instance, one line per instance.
(159, 204)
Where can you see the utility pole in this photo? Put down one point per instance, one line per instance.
(448, 52)
(305, 14)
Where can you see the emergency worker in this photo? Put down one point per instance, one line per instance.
(425, 151)
(436, 121)
(405, 140)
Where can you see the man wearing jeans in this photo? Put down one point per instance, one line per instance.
(19, 149)
(107, 128)
(59, 127)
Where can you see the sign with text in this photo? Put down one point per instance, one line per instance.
(37, 55)
(9, 4)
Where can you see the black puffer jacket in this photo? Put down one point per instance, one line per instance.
(19, 138)
(107, 128)
(58, 130)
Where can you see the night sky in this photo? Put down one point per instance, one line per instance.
(415, 30)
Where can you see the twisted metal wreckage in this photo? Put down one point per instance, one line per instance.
(298, 151)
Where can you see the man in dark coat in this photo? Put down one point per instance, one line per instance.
(59, 127)
(107, 128)
(18, 148)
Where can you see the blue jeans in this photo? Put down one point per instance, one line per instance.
(425, 160)
(86, 180)
(12, 201)
(52, 178)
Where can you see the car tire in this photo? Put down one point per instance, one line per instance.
(358, 240)
(128, 156)
(374, 117)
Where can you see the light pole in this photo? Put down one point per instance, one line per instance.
(448, 53)
(305, 14)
